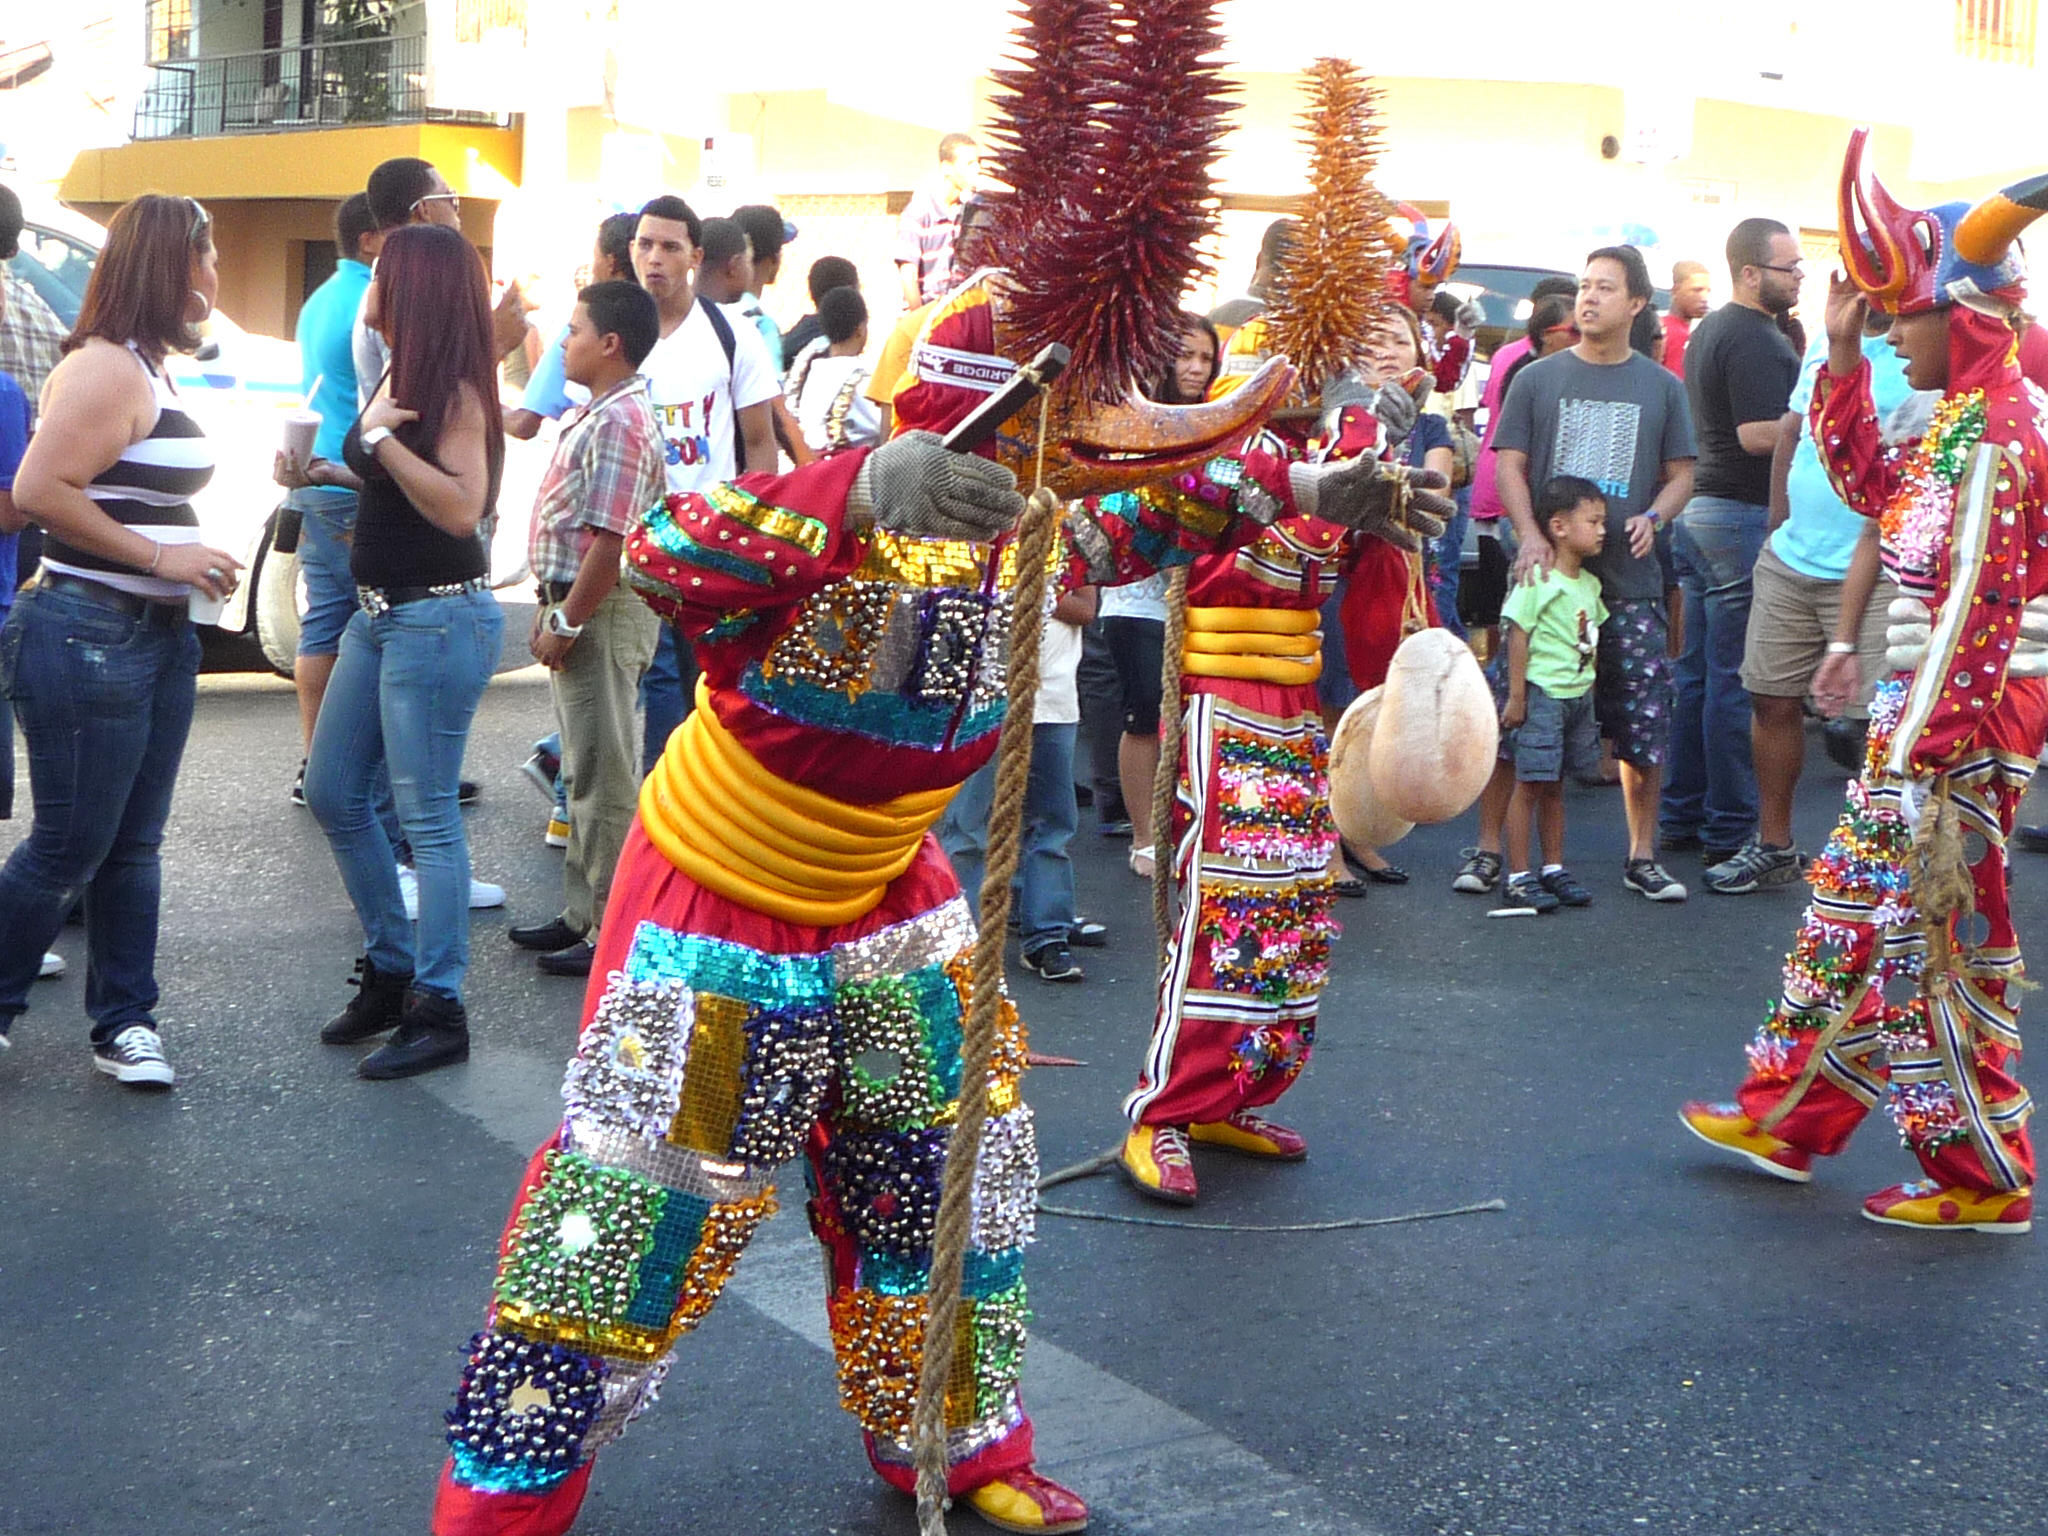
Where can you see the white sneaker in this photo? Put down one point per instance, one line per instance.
(53, 965)
(481, 893)
(136, 1055)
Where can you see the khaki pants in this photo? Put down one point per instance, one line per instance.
(594, 696)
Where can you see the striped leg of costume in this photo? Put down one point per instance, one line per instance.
(1855, 1026)
(1253, 839)
(718, 1045)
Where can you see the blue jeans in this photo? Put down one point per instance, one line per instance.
(404, 690)
(105, 701)
(1444, 565)
(327, 523)
(667, 690)
(6, 749)
(1710, 781)
(1045, 874)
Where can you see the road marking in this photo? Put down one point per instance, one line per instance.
(1146, 1467)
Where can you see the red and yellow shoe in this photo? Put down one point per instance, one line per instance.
(1155, 1158)
(1933, 1207)
(1026, 1501)
(1727, 1127)
(1253, 1136)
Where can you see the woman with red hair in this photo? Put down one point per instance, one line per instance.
(430, 448)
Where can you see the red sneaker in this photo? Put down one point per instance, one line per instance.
(1155, 1157)
(1253, 1136)
(1727, 1127)
(1934, 1207)
(1027, 1501)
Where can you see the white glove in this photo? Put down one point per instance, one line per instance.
(1471, 316)
(914, 484)
(1913, 797)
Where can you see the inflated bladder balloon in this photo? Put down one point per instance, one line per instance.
(1434, 743)
(1364, 821)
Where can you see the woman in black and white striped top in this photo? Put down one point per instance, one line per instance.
(99, 657)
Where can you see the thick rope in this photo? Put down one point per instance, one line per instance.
(963, 1148)
(1166, 780)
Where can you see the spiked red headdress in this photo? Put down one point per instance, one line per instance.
(1104, 139)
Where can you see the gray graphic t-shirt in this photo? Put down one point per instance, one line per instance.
(1615, 424)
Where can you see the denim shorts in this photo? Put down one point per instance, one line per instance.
(1557, 737)
(1632, 688)
(326, 529)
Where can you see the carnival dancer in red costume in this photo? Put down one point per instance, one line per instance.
(784, 963)
(1251, 838)
(1904, 984)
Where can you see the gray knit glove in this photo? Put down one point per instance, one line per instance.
(1361, 494)
(1397, 411)
(914, 484)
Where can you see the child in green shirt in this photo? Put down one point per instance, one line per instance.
(1547, 720)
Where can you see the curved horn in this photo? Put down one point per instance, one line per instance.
(1988, 230)
(1871, 249)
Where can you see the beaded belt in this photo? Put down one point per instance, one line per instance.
(1267, 645)
(717, 814)
(377, 601)
(1909, 627)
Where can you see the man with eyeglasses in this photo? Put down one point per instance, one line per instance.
(1739, 373)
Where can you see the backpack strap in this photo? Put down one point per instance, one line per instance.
(722, 329)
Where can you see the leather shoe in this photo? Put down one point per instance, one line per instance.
(571, 960)
(376, 1007)
(2033, 839)
(546, 937)
(432, 1032)
(1026, 1500)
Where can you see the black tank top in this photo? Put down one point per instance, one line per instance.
(394, 545)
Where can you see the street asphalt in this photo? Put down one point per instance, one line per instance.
(241, 1306)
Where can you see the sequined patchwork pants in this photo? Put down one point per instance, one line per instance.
(1253, 839)
(1855, 1026)
(717, 1045)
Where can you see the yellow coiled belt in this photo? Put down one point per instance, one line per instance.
(1266, 645)
(712, 810)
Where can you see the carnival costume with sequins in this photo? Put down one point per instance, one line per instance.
(1252, 836)
(783, 970)
(1963, 515)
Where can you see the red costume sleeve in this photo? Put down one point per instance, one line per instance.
(1129, 535)
(1843, 419)
(1982, 587)
(710, 560)
(1451, 363)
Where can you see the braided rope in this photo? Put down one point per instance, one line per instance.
(956, 1205)
(1166, 778)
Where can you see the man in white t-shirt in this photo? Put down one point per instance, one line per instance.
(713, 389)
(712, 383)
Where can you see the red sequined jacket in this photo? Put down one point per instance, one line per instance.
(1968, 508)
(866, 664)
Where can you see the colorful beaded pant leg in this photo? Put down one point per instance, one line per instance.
(1250, 951)
(1857, 1025)
(719, 1044)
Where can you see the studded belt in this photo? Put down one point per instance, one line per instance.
(376, 601)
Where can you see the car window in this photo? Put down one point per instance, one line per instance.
(57, 267)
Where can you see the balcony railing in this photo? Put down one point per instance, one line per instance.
(316, 85)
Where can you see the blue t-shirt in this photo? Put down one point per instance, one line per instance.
(1431, 431)
(1819, 534)
(548, 387)
(14, 420)
(327, 354)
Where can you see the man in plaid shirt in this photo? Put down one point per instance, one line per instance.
(591, 632)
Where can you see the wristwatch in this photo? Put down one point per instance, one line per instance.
(372, 438)
(555, 624)
(1841, 648)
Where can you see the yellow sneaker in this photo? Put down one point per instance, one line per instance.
(1727, 1127)
(1155, 1159)
(1253, 1136)
(1027, 1501)
(1934, 1207)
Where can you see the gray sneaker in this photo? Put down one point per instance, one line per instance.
(1755, 866)
(1479, 873)
(1649, 878)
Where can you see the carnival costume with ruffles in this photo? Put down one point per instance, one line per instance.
(783, 971)
(1882, 1002)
